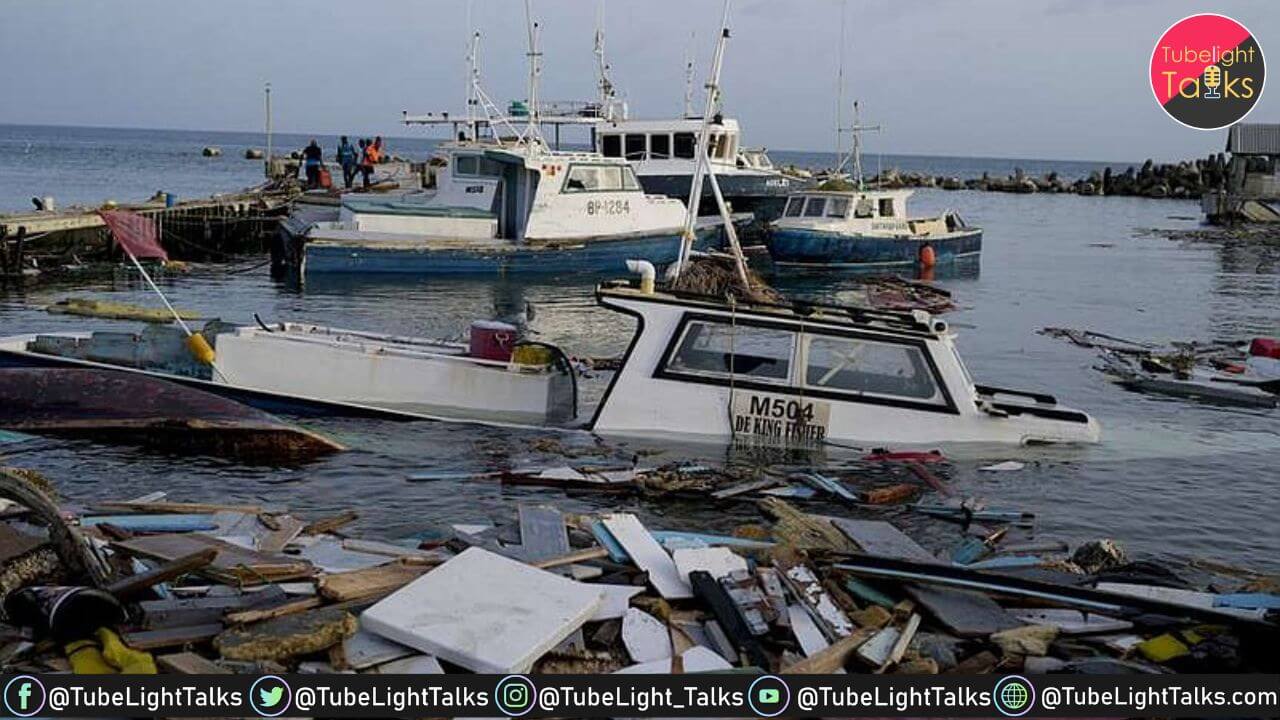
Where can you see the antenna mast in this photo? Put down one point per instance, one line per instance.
(840, 161)
(603, 83)
(535, 72)
(688, 76)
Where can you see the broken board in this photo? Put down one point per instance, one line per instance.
(648, 555)
(966, 613)
(484, 612)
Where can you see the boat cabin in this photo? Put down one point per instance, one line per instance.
(647, 140)
(807, 375)
(882, 211)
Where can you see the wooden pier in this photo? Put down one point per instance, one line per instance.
(216, 228)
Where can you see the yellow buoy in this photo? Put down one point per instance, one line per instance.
(199, 348)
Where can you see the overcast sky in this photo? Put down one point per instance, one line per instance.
(1004, 78)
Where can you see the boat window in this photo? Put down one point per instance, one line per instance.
(611, 145)
(476, 166)
(794, 206)
(863, 208)
(635, 147)
(838, 207)
(659, 147)
(686, 145)
(886, 207)
(611, 178)
(583, 178)
(867, 366)
(744, 352)
(815, 207)
(629, 181)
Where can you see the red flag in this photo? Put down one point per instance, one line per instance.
(135, 233)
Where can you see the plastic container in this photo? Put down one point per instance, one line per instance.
(491, 340)
(1265, 347)
(170, 200)
(65, 613)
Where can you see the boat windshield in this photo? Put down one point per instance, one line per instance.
(869, 367)
(714, 349)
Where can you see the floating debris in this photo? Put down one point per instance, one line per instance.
(820, 595)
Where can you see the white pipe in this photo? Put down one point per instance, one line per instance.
(648, 273)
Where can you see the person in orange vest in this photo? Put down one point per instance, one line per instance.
(377, 145)
(368, 156)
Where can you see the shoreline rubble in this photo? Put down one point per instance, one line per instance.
(255, 589)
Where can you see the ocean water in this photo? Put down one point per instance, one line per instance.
(1173, 480)
(87, 166)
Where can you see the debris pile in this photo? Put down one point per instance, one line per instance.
(195, 588)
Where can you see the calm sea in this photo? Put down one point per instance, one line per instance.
(1173, 480)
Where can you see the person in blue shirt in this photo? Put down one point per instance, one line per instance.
(348, 158)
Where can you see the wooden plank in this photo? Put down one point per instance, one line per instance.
(573, 557)
(233, 563)
(171, 637)
(270, 613)
(128, 587)
(648, 555)
(287, 528)
(370, 582)
(189, 663)
(746, 487)
(964, 612)
(203, 610)
(811, 639)
(331, 523)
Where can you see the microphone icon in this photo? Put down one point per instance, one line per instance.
(1212, 80)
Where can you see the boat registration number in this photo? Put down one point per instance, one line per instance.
(784, 420)
(608, 207)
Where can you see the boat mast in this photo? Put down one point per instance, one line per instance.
(267, 91)
(688, 76)
(605, 86)
(840, 161)
(704, 171)
(473, 75)
(534, 133)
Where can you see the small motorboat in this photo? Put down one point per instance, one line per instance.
(801, 374)
(313, 370)
(136, 409)
(852, 229)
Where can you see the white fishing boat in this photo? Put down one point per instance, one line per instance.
(499, 209)
(310, 370)
(702, 369)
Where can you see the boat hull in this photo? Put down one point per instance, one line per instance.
(818, 248)
(595, 256)
(763, 195)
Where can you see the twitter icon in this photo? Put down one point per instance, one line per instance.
(269, 696)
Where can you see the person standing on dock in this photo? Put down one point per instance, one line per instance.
(348, 159)
(368, 155)
(312, 157)
(378, 152)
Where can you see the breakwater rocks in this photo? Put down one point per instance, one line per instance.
(1187, 179)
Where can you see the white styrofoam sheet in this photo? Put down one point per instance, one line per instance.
(484, 612)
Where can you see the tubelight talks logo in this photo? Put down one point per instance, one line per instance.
(1207, 71)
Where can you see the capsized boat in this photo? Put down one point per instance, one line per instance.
(866, 228)
(1151, 375)
(315, 370)
(127, 407)
(700, 368)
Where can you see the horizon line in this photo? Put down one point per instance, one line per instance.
(419, 137)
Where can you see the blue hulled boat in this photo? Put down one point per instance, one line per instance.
(866, 228)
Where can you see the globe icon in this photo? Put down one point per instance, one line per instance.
(1014, 695)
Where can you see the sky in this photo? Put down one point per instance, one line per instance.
(1058, 79)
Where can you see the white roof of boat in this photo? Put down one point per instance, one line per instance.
(693, 124)
(917, 322)
(869, 192)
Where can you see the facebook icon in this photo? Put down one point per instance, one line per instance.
(24, 696)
